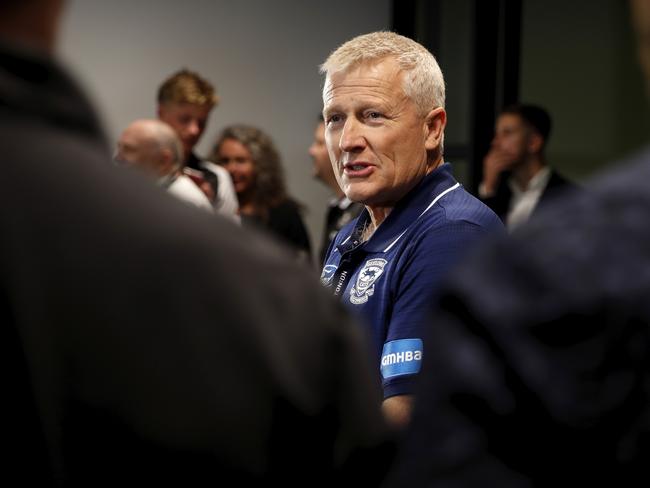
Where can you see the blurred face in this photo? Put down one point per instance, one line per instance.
(376, 139)
(320, 156)
(187, 119)
(511, 138)
(237, 159)
(135, 148)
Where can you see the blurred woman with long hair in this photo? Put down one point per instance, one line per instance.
(254, 164)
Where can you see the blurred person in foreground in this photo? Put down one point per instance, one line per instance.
(340, 209)
(384, 98)
(143, 340)
(153, 148)
(540, 374)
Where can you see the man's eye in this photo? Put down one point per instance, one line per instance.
(333, 119)
(374, 115)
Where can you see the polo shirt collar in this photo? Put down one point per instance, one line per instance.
(406, 212)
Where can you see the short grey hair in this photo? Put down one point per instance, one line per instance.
(423, 80)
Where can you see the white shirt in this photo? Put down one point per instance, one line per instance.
(226, 203)
(523, 202)
(185, 189)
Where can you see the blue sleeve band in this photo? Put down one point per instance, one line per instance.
(401, 357)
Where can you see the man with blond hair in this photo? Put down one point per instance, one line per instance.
(384, 99)
(185, 101)
(153, 147)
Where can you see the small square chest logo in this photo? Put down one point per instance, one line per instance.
(365, 285)
(401, 357)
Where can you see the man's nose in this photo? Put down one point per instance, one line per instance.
(352, 139)
(193, 128)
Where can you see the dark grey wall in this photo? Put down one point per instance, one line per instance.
(578, 59)
(263, 57)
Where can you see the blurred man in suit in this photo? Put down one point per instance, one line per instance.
(516, 177)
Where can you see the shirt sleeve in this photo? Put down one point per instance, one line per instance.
(422, 267)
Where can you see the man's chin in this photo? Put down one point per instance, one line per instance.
(358, 196)
(188, 147)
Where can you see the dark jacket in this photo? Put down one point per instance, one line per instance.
(500, 201)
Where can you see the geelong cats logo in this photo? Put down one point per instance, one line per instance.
(365, 285)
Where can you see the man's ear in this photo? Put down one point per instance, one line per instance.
(167, 159)
(159, 110)
(436, 120)
(535, 142)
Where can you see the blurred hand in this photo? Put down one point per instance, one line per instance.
(495, 163)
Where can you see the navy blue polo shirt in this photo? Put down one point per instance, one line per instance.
(391, 279)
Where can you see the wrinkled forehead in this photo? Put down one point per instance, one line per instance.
(382, 73)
